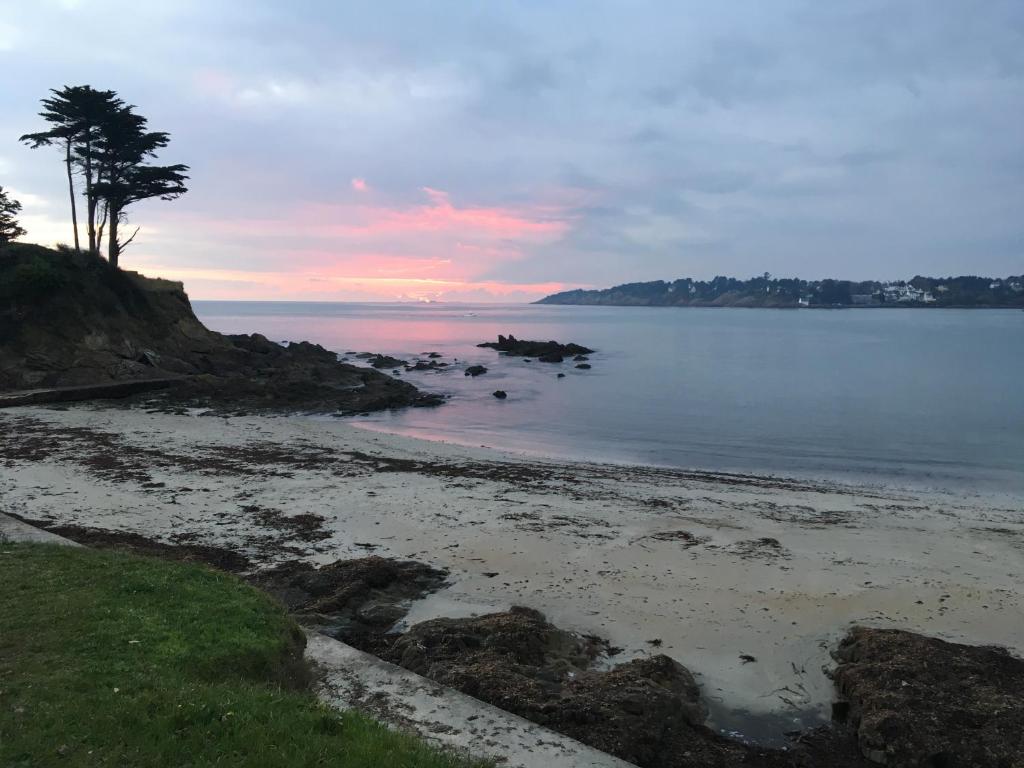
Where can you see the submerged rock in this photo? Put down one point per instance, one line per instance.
(423, 365)
(501, 394)
(475, 370)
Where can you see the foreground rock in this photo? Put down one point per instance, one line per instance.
(544, 351)
(920, 701)
(647, 711)
(68, 320)
(358, 601)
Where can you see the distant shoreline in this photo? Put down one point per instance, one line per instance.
(964, 291)
(929, 307)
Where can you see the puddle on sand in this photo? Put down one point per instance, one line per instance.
(764, 729)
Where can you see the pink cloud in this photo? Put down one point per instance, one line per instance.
(359, 185)
(435, 248)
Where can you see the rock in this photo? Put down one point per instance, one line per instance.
(380, 613)
(581, 358)
(551, 357)
(560, 376)
(501, 394)
(475, 370)
(919, 701)
(583, 366)
(385, 361)
(647, 711)
(356, 601)
(421, 365)
(510, 345)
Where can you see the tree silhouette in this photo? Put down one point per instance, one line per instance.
(123, 146)
(74, 113)
(9, 227)
(106, 142)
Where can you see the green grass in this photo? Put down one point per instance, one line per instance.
(108, 659)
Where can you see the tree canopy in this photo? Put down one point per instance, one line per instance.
(106, 142)
(9, 210)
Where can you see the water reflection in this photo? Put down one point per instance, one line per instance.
(928, 398)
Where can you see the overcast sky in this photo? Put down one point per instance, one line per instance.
(503, 150)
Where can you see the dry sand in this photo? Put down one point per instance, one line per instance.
(707, 568)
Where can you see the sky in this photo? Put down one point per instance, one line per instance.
(503, 150)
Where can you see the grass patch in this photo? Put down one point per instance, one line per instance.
(112, 659)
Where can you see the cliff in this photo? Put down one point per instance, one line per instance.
(70, 319)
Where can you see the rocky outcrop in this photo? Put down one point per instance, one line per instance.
(386, 361)
(69, 319)
(544, 351)
(475, 370)
(919, 701)
(424, 365)
(647, 711)
(357, 601)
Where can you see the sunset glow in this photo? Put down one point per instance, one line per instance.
(434, 249)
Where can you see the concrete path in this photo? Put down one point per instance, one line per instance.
(356, 680)
(109, 391)
(12, 530)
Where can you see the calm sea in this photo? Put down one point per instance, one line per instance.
(923, 398)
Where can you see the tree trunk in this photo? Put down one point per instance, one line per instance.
(114, 249)
(71, 191)
(99, 228)
(90, 200)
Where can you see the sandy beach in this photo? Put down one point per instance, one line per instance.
(710, 569)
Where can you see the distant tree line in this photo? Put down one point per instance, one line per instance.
(108, 145)
(768, 291)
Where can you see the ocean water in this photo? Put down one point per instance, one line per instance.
(917, 398)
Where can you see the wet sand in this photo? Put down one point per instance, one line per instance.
(711, 569)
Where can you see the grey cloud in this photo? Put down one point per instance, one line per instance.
(801, 137)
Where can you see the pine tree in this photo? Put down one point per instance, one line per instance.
(123, 147)
(106, 142)
(9, 210)
(74, 113)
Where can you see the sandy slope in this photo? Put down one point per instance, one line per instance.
(712, 566)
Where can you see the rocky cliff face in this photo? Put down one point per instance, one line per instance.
(69, 319)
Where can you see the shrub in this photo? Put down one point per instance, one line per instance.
(36, 276)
